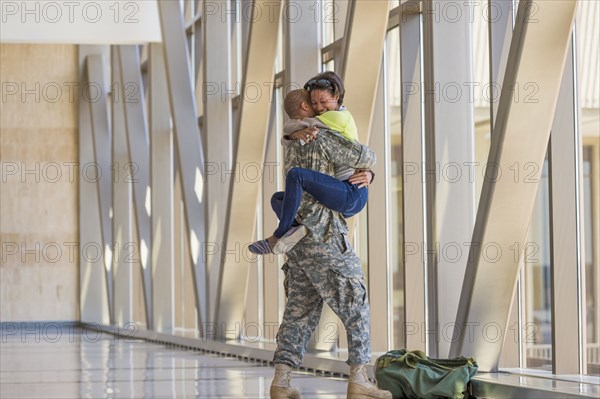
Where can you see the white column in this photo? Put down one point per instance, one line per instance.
(567, 243)
(161, 164)
(94, 305)
(302, 61)
(449, 128)
(190, 155)
(249, 153)
(413, 187)
(122, 206)
(379, 230)
(218, 89)
(138, 145)
(272, 275)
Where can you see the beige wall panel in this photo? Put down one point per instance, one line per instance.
(38, 213)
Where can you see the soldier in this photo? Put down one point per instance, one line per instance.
(324, 267)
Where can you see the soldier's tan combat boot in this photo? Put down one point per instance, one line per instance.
(280, 387)
(359, 386)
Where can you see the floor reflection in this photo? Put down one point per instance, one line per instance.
(72, 364)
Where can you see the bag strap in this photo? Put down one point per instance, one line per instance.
(413, 358)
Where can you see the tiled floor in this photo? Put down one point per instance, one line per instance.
(46, 365)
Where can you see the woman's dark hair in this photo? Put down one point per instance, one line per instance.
(329, 81)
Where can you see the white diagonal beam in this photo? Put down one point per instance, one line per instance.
(131, 94)
(250, 150)
(500, 21)
(122, 206)
(187, 143)
(500, 25)
(101, 134)
(521, 132)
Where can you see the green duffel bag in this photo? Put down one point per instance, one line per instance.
(411, 374)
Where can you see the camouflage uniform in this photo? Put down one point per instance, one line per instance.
(323, 266)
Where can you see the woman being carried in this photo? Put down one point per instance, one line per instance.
(346, 193)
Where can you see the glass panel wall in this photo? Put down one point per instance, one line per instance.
(536, 326)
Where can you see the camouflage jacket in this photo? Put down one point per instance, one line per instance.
(329, 150)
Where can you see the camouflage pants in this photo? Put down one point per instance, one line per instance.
(312, 280)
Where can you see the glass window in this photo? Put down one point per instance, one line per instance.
(536, 327)
(393, 81)
(589, 101)
(326, 15)
(592, 285)
(480, 99)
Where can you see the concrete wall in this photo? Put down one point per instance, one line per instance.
(38, 194)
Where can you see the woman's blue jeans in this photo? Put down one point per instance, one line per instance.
(340, 196)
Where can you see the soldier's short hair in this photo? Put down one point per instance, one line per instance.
(294, 100)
